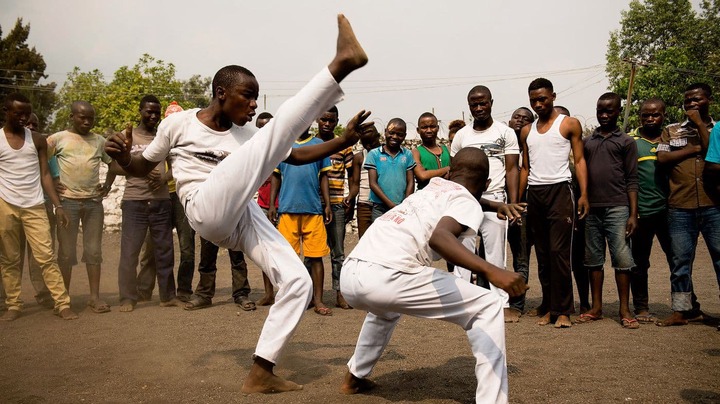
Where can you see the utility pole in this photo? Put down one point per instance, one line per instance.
(633, 70)
(264, 102)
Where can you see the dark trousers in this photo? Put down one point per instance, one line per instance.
(580, 272)
(520, 247)
(186, 241)
(551, 218)
(137, 218)
(364, 217)
(208, 266)
(649, 227)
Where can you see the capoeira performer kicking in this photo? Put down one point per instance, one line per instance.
(219, 162)
(434, 222)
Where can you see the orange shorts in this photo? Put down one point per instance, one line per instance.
(305, 229)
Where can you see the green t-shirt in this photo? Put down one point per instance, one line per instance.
(431, 161)
(652, 179)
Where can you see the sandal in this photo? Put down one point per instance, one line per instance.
(630, 323)
(323, 311)
(98, 306)
(646, 318)
(587, 318)
(245, 303)
(197, 302)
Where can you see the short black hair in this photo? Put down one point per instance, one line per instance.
(565, 110)
(700, 86)
(13, 97)
(653, 100)
(426, 115)
(532, 114)
(396, 121)
(149, 99)
(539, 83)
(264, 115)
(333, 110)
(611, 96)
(76, 105)
(228, 76)
(456, 125)
(480, 89)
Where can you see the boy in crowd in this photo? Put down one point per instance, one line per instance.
(210, 146)
(360, 182)
(390, 170)
(303, 215)
(691, 211)
(390, 273)
(431, 159)
(146, 207)
(24, 175)
(517, 233)
(453, 127)
(500, 144)
(79, 154)
(652, 205)
(611, 157)
(341, 162)
(546, 177)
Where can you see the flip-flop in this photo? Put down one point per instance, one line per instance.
(323, 311)
(197, 303)
(245, 303)
(646, 319)
(587, 318)
(98, 306)
(630, 323)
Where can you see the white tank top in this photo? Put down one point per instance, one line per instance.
(548, 153)
(20, 173)
(364, 191)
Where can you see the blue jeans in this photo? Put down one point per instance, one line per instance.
(378, 210)
(90, 212)
(608, 224)
(685, 225)
(137, 217)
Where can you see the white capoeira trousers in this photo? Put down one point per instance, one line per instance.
(222, 209)
(387, 293)
(494, 235)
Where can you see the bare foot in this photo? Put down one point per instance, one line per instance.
(350, 55)
(126, 306)
(355, 385)
(341, 302)
(512, 315)
(67, 314)
(266, 300)
(172, 303)
(10, 315)
(544, 320)
(563, 322)
(262, 380)
(675, 319)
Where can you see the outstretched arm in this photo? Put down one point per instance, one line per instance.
(118, 147)
(444, 240)
(308, 154)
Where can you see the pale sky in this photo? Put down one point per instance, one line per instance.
(424, 55)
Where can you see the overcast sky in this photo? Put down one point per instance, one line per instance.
(424, 55)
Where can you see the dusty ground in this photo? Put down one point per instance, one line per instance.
(163, 355)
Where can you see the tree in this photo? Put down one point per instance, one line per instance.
(22, 68)
(116, 103)
(672, 46)
(196, 91)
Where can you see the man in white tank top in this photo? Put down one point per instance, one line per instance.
(24, 174)
(546, 176)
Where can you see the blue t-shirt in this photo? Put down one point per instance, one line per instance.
(300, 188)
(713, 154)
(53, 167)
(391, 172)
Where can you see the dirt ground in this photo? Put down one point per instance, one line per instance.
(164, 355)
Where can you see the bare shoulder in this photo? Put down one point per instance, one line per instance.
(570, 126)
(39, 139)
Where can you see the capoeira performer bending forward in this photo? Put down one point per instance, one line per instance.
(219, 162)
(440, 220)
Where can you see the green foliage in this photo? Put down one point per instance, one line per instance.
(22, 68)
(196, 91)
(117, 102)
(673, 46)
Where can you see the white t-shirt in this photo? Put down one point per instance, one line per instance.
(400, 238)
(497, 141)
(194, 148)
